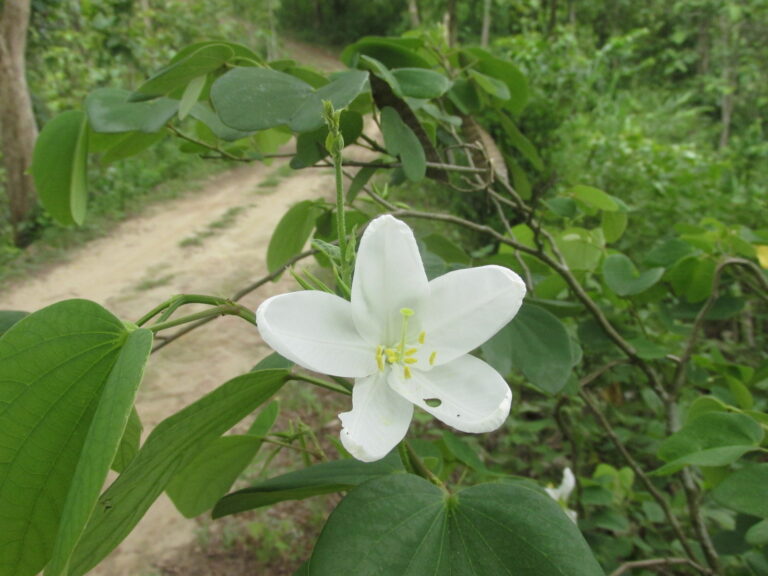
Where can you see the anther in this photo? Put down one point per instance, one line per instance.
(411, 351)
(422, 337)
(411, 360)
(432, 358)
(407, 372)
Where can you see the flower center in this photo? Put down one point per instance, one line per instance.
(401, 353)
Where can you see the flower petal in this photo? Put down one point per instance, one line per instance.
(466, 394)
(389, 276)
(378, 421)
(467, 307)
(315, 330)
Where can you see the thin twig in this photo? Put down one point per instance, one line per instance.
(659, 563)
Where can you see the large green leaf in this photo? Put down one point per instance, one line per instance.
(392, 52)
(322, 478)
(521, 142)
(173, 444)
(340, 92)
(207, 116)
(712, 439)
(292, 233)
(59, 167)
(53, 365)
(401, 141)
(594, 198)
(101, 445)
(121, 145)
(622, 277)
(745, 490)
(129, 445)
(401, 525)
(581, 248)
(181, 72)
(198, 486)
(251, 99)
(110, 111)
(536, 343)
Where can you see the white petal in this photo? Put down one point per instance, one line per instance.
(389, 276)
(378, 421)
(573, 515)
(467, 307)
(315, 330)
(472, 396)
(567, 485)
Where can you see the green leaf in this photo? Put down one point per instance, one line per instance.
(421, 83)
(491, 86)
(465, 96)
(401, 141)
(757, 535)
(292, 233)
(517, 84)
(445, 249)
(191, 94)
(669, 252)
(324, 478)
(622, 277)
(340, 92)
(129, 445)
(250, 99)
(359, 181)
(519, 141)
(198, 486)
(101, 445)
(119, 146)
(402, 525)
(8, 318)
(110, 111)
(692, 278)
(172, 444)
(59, 167)
(712, 439)
(392, 52)
(53, 365)
(207, 116)
(581, 248)
(463, 452)
(186, 69)
(594, 198)
(536, 343)
(614, 224)
(744, 490)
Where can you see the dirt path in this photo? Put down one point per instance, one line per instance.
(141, 263)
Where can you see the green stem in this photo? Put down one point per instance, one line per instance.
(230, 309)
(341, 225)
(420, 468)
(321, 383)
(174, 302)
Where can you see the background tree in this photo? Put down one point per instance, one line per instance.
(18, 130)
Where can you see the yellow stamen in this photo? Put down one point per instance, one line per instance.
(411, 351)
(422, 336)
(391, 355)
(432, 358)
(407, 372)
(380, 358)
(411, 360)
(406, 312)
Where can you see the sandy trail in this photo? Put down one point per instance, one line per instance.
(119, 272)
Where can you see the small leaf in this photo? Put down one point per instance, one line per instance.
(191, 94)
(59, 167)
(614, 224)
(185, 70)
(491, 86)
(324, 478)
(359, 181)
(503, 70)
(292, 233)
(401, 141)
(744, 490)
(250, 99)
(757, 535)
(712, 439)
(622, 277)
(392, 52)
(8, 318)
(109, 110)
(421, 83)
(101, 445)
(207, 116)
(594, 198)
(340, 92)
(536, 343)
(519, 141)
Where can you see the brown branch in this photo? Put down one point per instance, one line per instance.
(654, 563)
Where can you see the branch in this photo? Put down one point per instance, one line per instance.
(658, 563)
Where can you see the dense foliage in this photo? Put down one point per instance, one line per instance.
(589, 150)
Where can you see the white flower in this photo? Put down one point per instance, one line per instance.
(563, 492)
(404, 339)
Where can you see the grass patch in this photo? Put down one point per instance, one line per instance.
(274, 179)
(225, 221)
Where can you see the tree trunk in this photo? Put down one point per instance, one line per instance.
(729, 30)
(552, 18)
(413, 12)
(18, 130)
(486, 32)
(450, 23)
